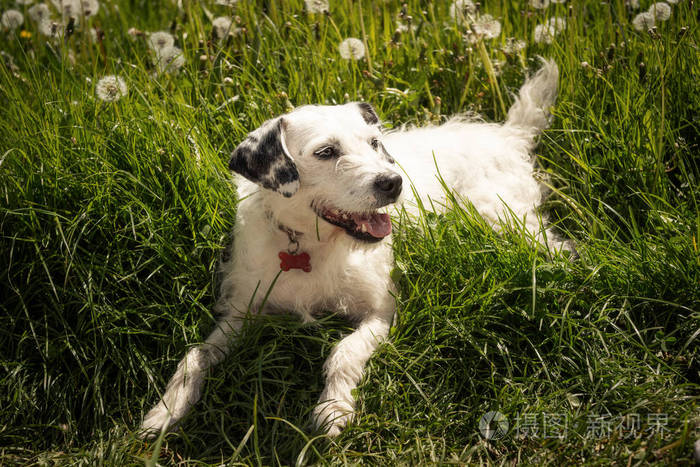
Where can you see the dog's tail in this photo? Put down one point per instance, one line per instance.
(531, 108)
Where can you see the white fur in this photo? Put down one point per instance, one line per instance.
(487, 164)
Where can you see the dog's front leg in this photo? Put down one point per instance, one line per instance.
(185, 386)
(344, 369)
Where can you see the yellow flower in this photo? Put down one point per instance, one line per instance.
(24, 34)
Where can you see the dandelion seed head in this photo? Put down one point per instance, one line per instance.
(539, 4)
(111, 88)
(513, 45)
(222, 26)
(39, 12)
(557, 24)
(352, 48)
(11, 19)
(160, 40)
(170, 59)
(644, 21)
(543, 34)
(317, 6)
(558, 1)
(462, 11)
(24, 2)
(50, 28)
(487, 26)
(672, 2)
(89, 7)
(633, 4)
(69, 9)
(661, 11)
(404, 26)
(229, 3)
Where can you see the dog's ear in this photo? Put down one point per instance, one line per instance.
(263, 158)
(368, 113)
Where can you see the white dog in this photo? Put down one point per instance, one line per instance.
(309, 236)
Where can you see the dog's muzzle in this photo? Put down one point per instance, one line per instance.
(387, 187)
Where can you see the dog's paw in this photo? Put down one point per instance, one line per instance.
(332, 416)
(156, 420)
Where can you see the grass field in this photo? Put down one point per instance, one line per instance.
(113, 216)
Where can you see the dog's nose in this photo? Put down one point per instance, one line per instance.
(388, 185)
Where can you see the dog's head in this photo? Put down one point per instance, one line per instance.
(332, 159)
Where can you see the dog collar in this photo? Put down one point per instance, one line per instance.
(292, 259)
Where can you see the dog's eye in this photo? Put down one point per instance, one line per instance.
(374, 143)
(326, 152)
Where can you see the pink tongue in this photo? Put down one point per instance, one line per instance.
(378, 225)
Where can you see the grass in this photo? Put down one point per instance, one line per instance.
(114, 215)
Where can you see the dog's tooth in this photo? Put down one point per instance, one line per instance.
(364, 228)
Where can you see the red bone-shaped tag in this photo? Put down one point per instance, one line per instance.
(301, 261)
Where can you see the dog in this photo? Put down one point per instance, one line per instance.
(311, 234)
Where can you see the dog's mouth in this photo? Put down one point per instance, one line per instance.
(369, 227)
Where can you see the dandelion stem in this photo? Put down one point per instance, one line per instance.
(429, 94)
(335, 26)
(364, 38)
(491, 74)
(660, 130)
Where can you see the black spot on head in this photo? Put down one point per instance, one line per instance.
(286, 175)
(261, 153)
(368, 113)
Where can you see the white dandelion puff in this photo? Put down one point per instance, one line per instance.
(557, 24)
(513, 45)
(170, 59)
(487, 26)
(69, 9)
(160, 40)
(404, 26)
(39, 12)
(111, 88)
(89, 7)
(226, 2)
(543, 34)
(317, 6)
(558, 1)
(539, 4)
(462, 11)
(633, 4)
(223, 26)
(50, 28)
(672, 2)
(660, 10)
(352, 48)
(12, 19)
(24, 2)
(644, 21)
